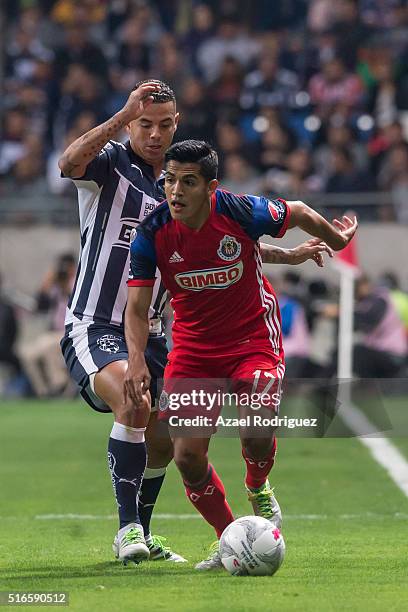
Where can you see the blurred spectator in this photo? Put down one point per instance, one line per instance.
(321, 15)
(202, 29)
(70, 12)
(12, 145)
(394, 177)
(225, 90)
(77, 49)
(277, 15)
(381, 13)
(276, 143)
(344, 176)
(381, 348)
(387, 137)
(197, 116)
(296, 337)
(239, 176)
(351, 32)
(339, 136)
(133, 53)
(42, 358)
(22, 54)
(269, 85)
(81, 92)
(398, 297)
(168, 65)
(231, 40)
(229, 140)
(8, 336)
(334, 89)
(387, 94)
(297, 179)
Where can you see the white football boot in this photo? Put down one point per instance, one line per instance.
(213, 561)
(129, 544)
(160, 552)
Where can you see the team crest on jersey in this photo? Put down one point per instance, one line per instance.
(229, 248)
(276, 210)
(164, 401)
(108, 344)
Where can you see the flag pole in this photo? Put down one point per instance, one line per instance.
(346, 317)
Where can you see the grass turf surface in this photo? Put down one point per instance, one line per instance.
(53, 462)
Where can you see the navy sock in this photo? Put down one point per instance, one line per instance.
(127, 461)
(151, 485)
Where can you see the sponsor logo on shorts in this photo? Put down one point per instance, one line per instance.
(229, 248)
(109, 343)
(213, 278)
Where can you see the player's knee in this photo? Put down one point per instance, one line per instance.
(159, 451)
(257, 448)
(131, 415)
(192, 464)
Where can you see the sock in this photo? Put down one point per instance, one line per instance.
(258, 471)
(152, 481)
(208, 498)
(127, 462)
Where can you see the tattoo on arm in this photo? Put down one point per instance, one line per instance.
(86, 148)
(273, 254)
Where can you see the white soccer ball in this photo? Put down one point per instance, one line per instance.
(252, 546)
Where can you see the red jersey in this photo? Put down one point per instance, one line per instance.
(220, 298)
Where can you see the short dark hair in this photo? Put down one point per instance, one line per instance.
(165, 93)
(195, 152)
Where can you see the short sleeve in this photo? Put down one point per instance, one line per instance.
(142, 261)
(269, 217)
(101, 167)
(256, 215)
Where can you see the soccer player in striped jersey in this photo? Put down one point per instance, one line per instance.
(118, 186)
(204, 242)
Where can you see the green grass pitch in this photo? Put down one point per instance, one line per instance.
(345, 524)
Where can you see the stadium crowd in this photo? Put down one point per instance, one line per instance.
(299, 97)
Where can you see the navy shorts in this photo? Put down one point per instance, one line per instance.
(88, 347)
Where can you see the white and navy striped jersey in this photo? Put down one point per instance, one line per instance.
(117, 191)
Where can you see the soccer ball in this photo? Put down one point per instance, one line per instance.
(252, 546)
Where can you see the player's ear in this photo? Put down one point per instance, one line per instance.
(212, 185)
(176, 120)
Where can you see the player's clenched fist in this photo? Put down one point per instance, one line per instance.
(139, 100)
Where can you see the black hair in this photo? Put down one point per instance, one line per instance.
(195, 152)
(165, 93)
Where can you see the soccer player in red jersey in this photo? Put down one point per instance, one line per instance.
(226, 324)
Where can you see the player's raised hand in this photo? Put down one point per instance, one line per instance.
(140, 99)
(347, 227)
(136, 382)
(311, 249)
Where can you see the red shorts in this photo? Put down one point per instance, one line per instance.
(201, 386)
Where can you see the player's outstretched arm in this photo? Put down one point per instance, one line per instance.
(337, 234)
(137, 378)
(84, 149)
(311, 249)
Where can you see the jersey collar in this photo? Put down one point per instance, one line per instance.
(144, 166)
